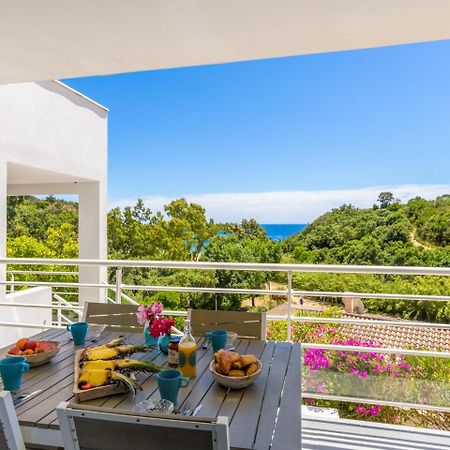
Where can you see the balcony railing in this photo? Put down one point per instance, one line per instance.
(66, 311)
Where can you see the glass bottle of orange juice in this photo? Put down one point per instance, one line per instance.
(187, 358)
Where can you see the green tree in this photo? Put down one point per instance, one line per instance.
(385, 199)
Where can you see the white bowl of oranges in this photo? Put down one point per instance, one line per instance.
(36, 353)
(235, 371)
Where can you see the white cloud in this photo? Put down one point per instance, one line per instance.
(289, 206)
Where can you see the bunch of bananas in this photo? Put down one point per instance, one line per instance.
(107, 364)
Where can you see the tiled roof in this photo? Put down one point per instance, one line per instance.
(398, 336)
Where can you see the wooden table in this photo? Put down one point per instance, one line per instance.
(264, 415)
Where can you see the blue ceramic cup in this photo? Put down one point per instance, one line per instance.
(218, 339)
(79, 331)
(11, 370)
(169, 383)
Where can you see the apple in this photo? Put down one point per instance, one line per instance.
(44, 346)
(15, 350)
(30, 345)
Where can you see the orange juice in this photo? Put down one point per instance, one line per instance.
(187, 358)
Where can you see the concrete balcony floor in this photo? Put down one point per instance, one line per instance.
(339, 434)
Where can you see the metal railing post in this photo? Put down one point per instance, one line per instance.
(58, 314)
(119, 285)
(289, 299)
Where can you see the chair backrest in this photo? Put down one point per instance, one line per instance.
(10, 434)
(85, 427)
(115, 317)
(245, 324)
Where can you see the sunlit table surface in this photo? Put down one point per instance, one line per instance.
(262, 416)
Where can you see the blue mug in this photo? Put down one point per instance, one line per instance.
(11, 370)
(79, 331)
(218, 339)
(169, 383)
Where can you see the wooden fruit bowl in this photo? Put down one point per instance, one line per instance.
(39, 359)
(235, 382)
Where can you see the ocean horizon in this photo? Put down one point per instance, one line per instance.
(281, 231)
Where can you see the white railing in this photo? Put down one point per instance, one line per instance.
(119, 287)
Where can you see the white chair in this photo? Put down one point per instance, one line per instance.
(10, 434)
(85, 427)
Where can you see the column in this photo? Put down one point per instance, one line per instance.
(92, 216)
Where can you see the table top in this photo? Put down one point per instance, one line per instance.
(265, 414)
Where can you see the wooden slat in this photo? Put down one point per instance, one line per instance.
(51, 419)
(56, 387)
(288, 426)
(206, 391)
(275, 381)
(245, 324)
(247, 415)
(203, 359)
(116, 317)
(231, 403)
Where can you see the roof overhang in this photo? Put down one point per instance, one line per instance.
(49, 39)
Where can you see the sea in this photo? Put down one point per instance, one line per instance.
(280, 231)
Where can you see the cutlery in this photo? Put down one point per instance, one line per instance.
(15, 396)
(24, 396)
(186, 409)
(197, 409)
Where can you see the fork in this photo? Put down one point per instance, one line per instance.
(186, 409)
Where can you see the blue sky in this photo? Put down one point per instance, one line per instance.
(305, 132)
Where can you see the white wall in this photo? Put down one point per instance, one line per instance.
(53, 140)
(48, 126)
(38, 316)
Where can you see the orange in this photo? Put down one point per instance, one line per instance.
(21, 343)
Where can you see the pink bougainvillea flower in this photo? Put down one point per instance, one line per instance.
(156, 308)
(374, 411)
(142, 314)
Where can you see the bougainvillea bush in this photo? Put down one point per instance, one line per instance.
(369, 374)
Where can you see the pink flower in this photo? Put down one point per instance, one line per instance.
(374, 411)
(142, 314)
(156, 308)
(360, 409)
(363, 374)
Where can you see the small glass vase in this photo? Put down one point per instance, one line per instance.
(164, 342)
(149, 339)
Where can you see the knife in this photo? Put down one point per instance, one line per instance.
(197, 409)
(21, 398)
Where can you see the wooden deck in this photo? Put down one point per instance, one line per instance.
(262, 416)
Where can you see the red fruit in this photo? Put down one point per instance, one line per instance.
(44, 346)
(15, 350)
(30, 345)
(21, 343)
(86, 386)
(28, 352)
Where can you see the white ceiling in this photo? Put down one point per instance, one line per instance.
(54, 39)
(19, 174)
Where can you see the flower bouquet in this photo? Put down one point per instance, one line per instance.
(157, 327)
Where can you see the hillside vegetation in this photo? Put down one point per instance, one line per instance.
(416, 233)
